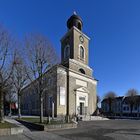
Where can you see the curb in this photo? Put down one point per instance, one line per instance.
(49, 127)
(11, 131)
(60, 126)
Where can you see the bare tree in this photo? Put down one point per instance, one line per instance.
(98, 100)
(5, 67)
(110, 96)
(19, 77)
(97, 103)
(131, 98)
(41, 56)
(10, 98)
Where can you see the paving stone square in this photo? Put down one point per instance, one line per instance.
(87, 130)
(104, 130)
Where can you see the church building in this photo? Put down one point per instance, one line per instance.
(70, 85)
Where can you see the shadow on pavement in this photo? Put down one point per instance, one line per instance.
(32, 126)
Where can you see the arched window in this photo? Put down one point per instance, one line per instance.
(82, 71)
(82, 52)
(79, 26)
(66, 51)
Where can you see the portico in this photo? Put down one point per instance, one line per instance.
(81, 107)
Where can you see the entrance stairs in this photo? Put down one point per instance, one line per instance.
(91, 118)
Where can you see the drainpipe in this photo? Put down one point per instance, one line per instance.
(75, 117)
(67, 115)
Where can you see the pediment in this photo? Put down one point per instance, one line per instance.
(83, 89)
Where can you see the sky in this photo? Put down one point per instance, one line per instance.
(112, 25)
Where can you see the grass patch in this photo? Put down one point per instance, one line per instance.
(6, 125)
(37, 120)
(56, 122)
(33, 120)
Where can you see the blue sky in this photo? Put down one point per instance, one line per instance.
(112, 25)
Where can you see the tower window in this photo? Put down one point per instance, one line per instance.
(82, 71)
(66, 51)
(79, 26)
(82, 52)
(50, 100)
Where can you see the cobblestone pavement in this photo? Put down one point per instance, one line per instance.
(93, 130)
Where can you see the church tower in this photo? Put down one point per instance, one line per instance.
(74, 46)
(80, 83)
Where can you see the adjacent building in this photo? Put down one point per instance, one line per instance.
(121, 106)
(70, 85)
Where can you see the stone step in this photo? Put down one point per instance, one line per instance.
(88, 118)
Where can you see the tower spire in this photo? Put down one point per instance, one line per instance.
(74, 12)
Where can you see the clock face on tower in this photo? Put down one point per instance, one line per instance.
(81, 39)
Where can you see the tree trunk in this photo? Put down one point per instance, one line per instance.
(53, 110)
(19, 109)
(41, 109)
(10, 111)
(1, 107)
(131, 108)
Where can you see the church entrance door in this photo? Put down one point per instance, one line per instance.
(81, 108)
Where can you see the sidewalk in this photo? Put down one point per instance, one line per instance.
(30, 135)
(10, 120)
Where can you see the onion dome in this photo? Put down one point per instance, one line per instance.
(76, 21)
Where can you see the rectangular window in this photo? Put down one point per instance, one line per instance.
(62, 96)
(50, 81)
(135, 107)
(50, 102)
